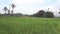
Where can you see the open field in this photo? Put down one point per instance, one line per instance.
(29, 25)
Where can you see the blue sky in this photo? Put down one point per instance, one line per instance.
(4, 3)
(31, 6)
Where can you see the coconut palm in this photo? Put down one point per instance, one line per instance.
(5, 9)
(13, 6)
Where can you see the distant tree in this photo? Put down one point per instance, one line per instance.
(34, 15)
(18, 14)
(59, 12)
(40, 13)
(0, 14)
(8, 12)
(49, 14)
(5, 9)
(13, 6)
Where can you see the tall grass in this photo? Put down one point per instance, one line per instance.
(29, 25)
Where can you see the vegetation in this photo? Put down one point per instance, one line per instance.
(49, 14)
(13, 6)
(29, 25)
(11, 23)
(5, 9)
(43, 13)
(40, 13)
(10, 12)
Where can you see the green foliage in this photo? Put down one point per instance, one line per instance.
(29, 25)
(49, 15)
(40, 13)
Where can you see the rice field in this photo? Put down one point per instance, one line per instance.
(29, 25)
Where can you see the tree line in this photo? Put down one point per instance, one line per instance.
(40, 13)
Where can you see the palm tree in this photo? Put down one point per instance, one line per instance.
(5, 9)
(13, 6)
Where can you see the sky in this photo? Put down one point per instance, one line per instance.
(32, 6)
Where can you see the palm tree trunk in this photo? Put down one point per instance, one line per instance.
(8, 12)
(5, 13)
(12, 12)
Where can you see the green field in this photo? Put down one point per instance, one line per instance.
(29, 25)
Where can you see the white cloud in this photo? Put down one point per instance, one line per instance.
(26, 6)
(51, 8)
(26, 1)
(32, 6)
(55, 8)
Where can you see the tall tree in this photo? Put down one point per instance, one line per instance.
(5, 9)
(13, 6)
(8, 12)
